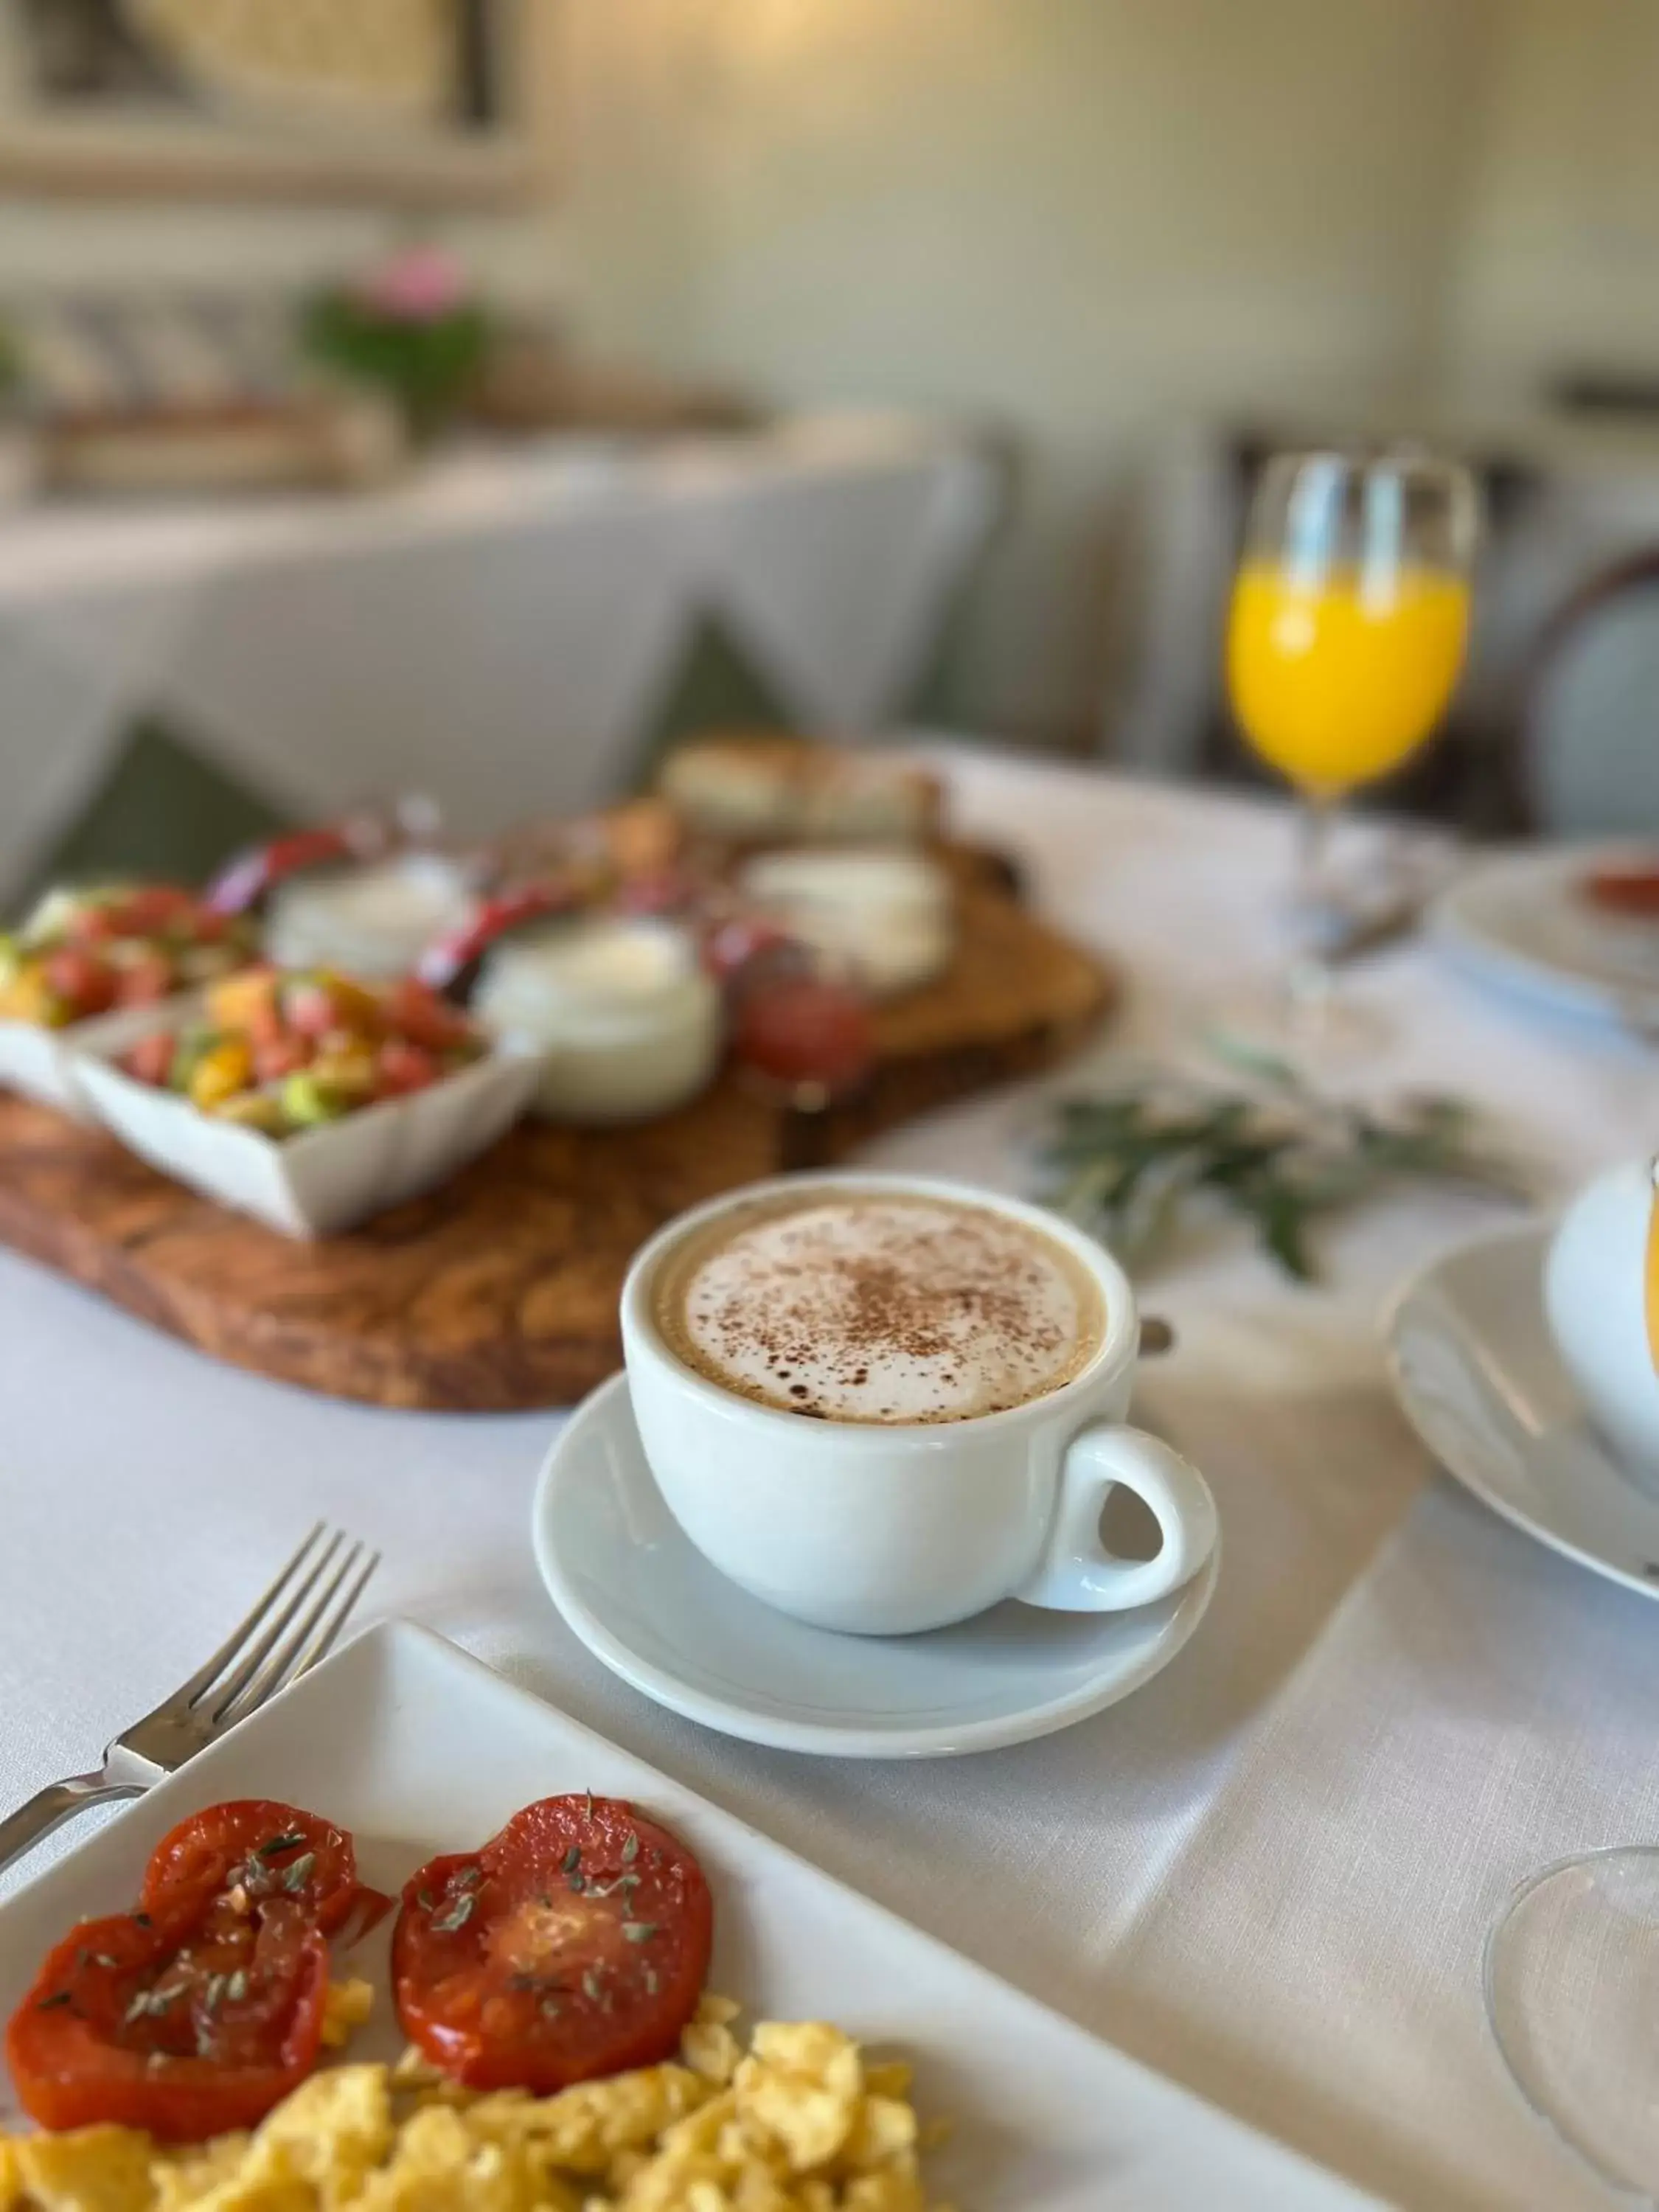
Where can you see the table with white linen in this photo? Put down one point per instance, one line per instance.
(1270, 1873)
(496, 630)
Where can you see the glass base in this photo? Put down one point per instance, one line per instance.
(1306, 1020)
(1572, 1999)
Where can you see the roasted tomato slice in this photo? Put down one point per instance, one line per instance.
(573, 1944)
(229, 1862)
(148, 2019)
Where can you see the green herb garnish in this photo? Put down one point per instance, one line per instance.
(275, 1846)
(295, 1877)
(1127, 1164)
(457, 1916)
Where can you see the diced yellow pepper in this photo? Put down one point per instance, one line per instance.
(219, 1073)
(30, 998)
(251, 1109)
(351, 1073)
(238, 1001)
(357, 1007)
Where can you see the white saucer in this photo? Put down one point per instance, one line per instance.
(1477, 1372)
(649, 1606)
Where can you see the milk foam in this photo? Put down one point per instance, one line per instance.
(880, 1308)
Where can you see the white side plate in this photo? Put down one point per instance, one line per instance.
(1518, 922)
(1477, 1373)
(417, 1748)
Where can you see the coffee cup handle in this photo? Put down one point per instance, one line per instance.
(1077, 1573)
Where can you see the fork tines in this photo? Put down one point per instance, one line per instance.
(293, 1625)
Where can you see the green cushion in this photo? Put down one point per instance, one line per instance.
(163, 812)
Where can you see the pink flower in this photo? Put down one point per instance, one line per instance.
(421, 285)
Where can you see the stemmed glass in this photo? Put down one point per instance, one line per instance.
(1349, 619)
(1572, 1975)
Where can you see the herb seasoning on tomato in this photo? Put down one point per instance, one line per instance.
(147, 2019)
(574, 1944)
(233, 1859)
(203, 2008)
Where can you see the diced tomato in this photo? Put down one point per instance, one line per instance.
(151, 1059)
(309, 1008)
(315, 1004)
(143, 980)
(150, 2019)
(281, 1056)
(85, 983)
(420, 1015)
(404, 1067)
(574, 1944)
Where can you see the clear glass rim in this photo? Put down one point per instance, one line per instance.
(1407, 459)
(1517, 1897)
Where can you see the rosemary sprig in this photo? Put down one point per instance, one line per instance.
(1127, 1163)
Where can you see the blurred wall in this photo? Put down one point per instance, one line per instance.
(1558, 257)
(1074, 217)
(1079, 219)
(44, 243)
(87, 242)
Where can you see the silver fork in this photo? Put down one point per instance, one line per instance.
(294, 1624)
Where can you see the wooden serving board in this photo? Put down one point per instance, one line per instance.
(499, 1292)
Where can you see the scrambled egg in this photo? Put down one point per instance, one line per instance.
(798, 2122)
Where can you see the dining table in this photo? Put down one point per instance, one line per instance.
(1270, 1873)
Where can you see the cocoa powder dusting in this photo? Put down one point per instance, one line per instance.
(830, 1309)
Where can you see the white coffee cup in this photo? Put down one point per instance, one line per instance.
(1596, 1297)
(882, 1529)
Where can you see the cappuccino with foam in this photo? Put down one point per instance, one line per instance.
(878, 1306)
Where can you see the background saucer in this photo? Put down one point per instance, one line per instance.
(1477, 1373)
(647, 1603)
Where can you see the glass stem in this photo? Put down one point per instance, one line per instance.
(1319, 813)
(1310, 978)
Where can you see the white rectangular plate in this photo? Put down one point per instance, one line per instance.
(418, 1748)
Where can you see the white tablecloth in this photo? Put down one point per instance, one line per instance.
(497, 631)
(1269, 1872)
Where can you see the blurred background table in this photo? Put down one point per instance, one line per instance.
(1270, 1873)
(504, 630)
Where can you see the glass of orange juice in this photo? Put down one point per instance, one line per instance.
(1349, 619)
